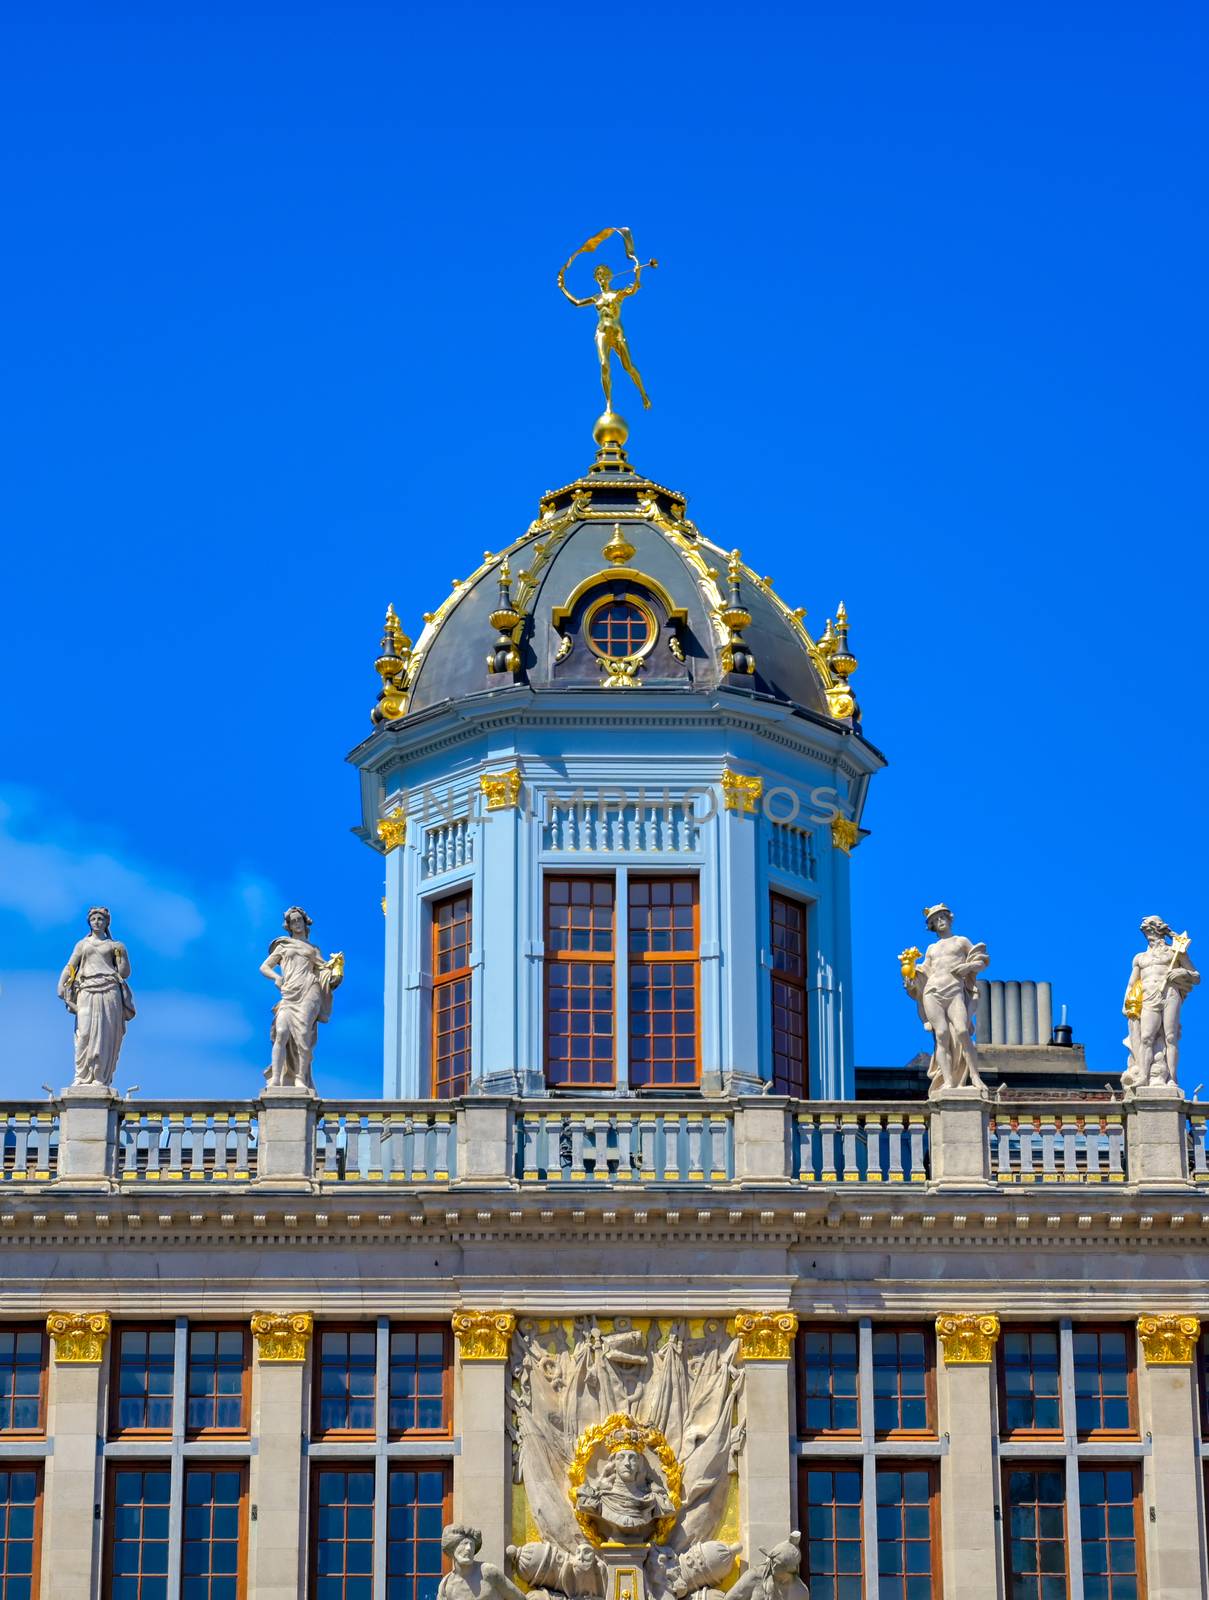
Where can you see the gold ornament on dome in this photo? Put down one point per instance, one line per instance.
(968, 1338)
(741, 792)
(765, 1335)
(844, 834)
(619, 549)
(1169, 1341)
(621, 1432)
(79, 1336)
(282, 1335)
(501, 789)
(392, 829)
(484, 1335)
(610, 430)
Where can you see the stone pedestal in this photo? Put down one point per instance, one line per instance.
(762, 1140)
(1155, 1136)
(277, 1543)
(72, 1485)
(88, 1124)
(286, 1154)
(958, 1137)
(485, 1140)
(624, 1571)
(968, 1531)
(1175, 1559)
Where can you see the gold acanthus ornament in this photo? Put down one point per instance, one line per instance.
(1169, 1340)
(968, 1338)
(844, 834)
(484, 1335)
(501, 790)
(621, 1432)
(282, 1335)
(765, 1335)
(79, 1336)
(741, 791)
(392, 829)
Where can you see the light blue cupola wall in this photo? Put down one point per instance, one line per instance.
(617, 786)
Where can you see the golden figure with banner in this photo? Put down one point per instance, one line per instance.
(610, 336)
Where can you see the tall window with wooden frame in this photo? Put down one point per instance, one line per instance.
(218, 1382)
(1034, 1502)
(22, 1381)
(345, 1378)
(342, 1532)
(1030, 1383)
(829, 1498)
(580, 1043)
(451, 998)
(214, 1531)
(1105, 1400)
(790, 1032)
(421, 1381)
(136, 1555)
(828, 1372)
(1110, 1531)
(140, 1394)
(663, 953)
(419, 1505)
(904, 1388)
(20, 1529)
(908, 1556)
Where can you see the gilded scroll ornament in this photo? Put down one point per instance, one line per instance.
(741, 792)
(1169, 1341)
(392, 829)
(79, 1336)
(844, 834)
(484, 1335)
(765, 1335)
(282, 1335)
(501, 789)
(968, 1339)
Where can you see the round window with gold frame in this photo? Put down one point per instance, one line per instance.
(619, 627)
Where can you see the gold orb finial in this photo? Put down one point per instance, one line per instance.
(610, 429)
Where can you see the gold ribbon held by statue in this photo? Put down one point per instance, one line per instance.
(610, 336)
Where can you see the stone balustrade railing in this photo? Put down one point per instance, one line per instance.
(289, 1139)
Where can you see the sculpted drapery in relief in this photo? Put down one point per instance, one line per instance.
(625, 1431)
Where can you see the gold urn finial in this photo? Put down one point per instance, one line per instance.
(833, 647)
(505, 657)
(734, 615)
(619, 549)
(394, 660)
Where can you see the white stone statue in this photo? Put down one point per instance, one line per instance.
(1159, 980)
(552, 1573)
(472, 1579)
(306, 982)
(93, 987)
(625, 1498)
(691, 1574)
(778, 1577)
(945, 989)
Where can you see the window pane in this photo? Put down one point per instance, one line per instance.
(1030, 1387)
(579, 975)
(418, 1365)
(904, 1547)
(832, 1553)
(416, 1513)
(790, 1065)
(828, 1386)
(901, 1366)
(145, 1362)
(18, 1531)
(138, 1550)
(213, 1532)
(663, 982)
(345, 1380)
(215, 1380)
(342, 1544)
(1036, 1542)
(21, 1364)
(451, 999)
(1108, 1505)
(1103, 1361)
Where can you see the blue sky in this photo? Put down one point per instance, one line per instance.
(282, 343)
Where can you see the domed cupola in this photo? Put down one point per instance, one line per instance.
(616, 785)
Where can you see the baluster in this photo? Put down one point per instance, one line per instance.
(1196, 1148)
(1114, 1133)
(669, 1146)
(849, 1124)
(828, 1134)
(892, 1141)
(648, 1155)
(918, 1132)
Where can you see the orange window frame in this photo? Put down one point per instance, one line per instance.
(641, 959)
(245, 1394)
(795, 1078)
(337, 1433)
(449, 1065)
(558, 1071)
(1128, 1333)
(929, 1396)
(10, 1468)
(38, 1431)
(204, 1464)
(116, 1429)
(445, 1431)
(1030, 1329)
(1057, 1466)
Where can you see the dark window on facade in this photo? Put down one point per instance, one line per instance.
(664, 1046)
(217, 1381)
(451, 1000)
(420, 1380)
(22, 1380)
(418, 1509)
(20, 1531)
(1030, 1382)
(580, 955)
(213, 1533)
(790, 1046)
(342, 1533)
(345, 1368)
(1104, 1381)
(902, 1381)
(906, 1555)
(832, 1553)
(1035, 1533)
(1111, 1533)
(137, 1557)
(143, 1363)
(619, 628)
(828, 1381)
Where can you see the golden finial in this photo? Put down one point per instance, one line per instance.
(619, 549)
(610, 431)
(833, 646)
(392, 665)
(506, 620)
(736, 655)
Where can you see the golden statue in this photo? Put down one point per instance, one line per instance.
(609, 333)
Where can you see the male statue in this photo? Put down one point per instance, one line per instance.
(1159, 980)
(93, 987)
(944, 987)
(472, 1579)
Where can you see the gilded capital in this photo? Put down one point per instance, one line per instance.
(741, 792)
(1169, 1341)
(484, 1335)
(765, 1335)
(844, 834)
(79, 1336)
(968, 1339)
(501, 789)
(282, 1335)
(392, 829)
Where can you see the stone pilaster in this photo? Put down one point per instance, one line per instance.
(966, 1407)
(72, 1484)
(1175, 1559)
(277, 1543)
(766, 1340)
(482, 1472)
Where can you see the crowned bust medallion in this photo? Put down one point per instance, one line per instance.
(625, 1482)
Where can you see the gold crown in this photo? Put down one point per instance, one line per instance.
(628, 1436)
